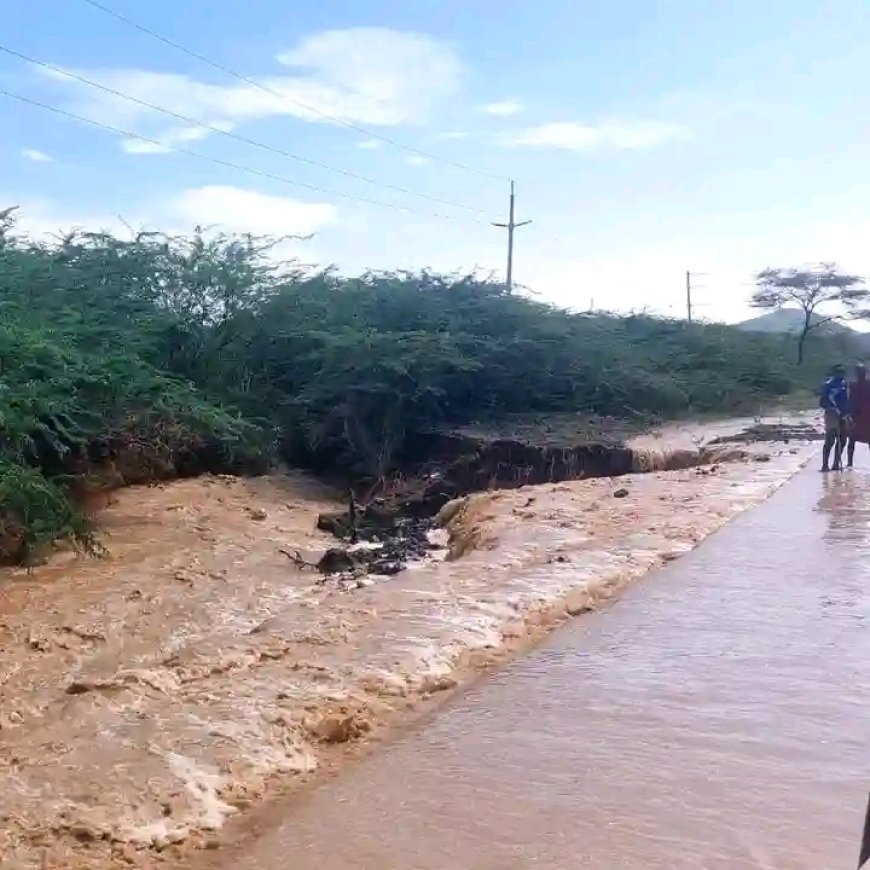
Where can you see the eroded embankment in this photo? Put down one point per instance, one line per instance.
(394, 527)
(150, 697)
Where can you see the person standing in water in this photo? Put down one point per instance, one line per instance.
(859, 411)
(834, 401)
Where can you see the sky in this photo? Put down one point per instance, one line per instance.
(646, 137)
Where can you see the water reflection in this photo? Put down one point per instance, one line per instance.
(714, 718)
(846, 504)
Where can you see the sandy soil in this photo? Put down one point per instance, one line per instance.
(149, 697)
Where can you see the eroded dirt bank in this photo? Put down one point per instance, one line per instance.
(150, 697)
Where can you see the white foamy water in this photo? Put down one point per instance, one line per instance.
(199, 640)
(715, 717)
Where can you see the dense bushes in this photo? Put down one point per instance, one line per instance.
(348, 366)
(162, 356)
(85, 331)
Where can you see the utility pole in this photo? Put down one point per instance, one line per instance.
(689, 296)
(510, 226)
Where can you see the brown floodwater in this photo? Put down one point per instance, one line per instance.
(716, 716)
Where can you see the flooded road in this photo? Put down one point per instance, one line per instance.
(715, 717)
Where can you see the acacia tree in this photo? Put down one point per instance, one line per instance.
(822, 293)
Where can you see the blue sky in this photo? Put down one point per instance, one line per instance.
(646, 138)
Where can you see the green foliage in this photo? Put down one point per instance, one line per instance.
(386, 353)
(206, 353)
(87, 332)
(36, 512)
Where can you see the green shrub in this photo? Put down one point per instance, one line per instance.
(205, 354)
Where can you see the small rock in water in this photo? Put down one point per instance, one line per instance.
(80, 687)
(442, 683)
(620, 493)
(335, 560)
(335, 728)
(257, 513)
(387, 567)
(334, 523)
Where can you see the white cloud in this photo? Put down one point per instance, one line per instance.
(454, 134)
(627, 279)
(242, 210)
(170, 140)
(36, 156)
(652, 275)
(417, 160)
(369, 144)
(366, 75)
(620, 135)
(502, 108)
(140, 146)
(233, 209)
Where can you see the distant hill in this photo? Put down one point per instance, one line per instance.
(791, 320)
(786, 320)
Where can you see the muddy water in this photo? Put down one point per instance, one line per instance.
(156, 701)
(716, 716)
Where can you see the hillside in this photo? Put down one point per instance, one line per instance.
(789, 321)
(782, 320)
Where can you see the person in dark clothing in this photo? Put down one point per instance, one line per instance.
(859, 411)
(834, 402)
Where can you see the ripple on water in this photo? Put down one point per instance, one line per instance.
(715, 718)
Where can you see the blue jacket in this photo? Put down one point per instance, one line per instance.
(835, 396)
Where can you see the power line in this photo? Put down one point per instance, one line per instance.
(218, 161)
(308, 108)
(229, 134)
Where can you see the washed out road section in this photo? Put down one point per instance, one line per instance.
(152, 700)
(716, 717)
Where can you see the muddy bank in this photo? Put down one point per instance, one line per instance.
(773, 432)
(154, 698)
(65, 479)
(438, 467)
(398, 522)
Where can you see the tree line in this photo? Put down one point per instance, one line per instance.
(207, 353)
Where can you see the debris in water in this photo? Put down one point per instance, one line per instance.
(337, 727)
(620, 493)
(336, 561)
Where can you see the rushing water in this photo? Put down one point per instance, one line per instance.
(715, 717)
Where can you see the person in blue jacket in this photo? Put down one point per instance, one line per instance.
(834, 402)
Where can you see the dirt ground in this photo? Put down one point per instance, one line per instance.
(151, 697)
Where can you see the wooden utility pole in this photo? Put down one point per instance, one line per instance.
(689, 296)
(510, 226)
